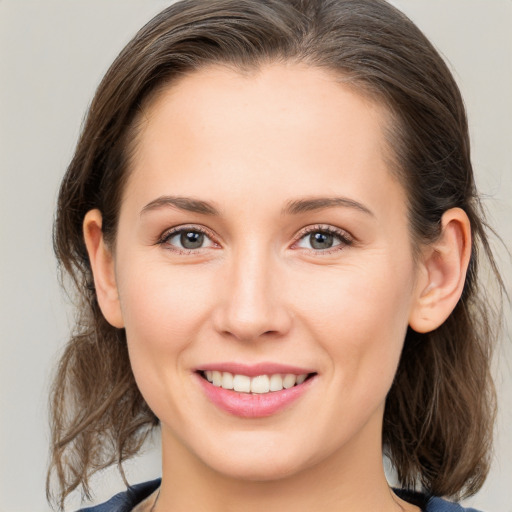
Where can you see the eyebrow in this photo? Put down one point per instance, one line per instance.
(294, 207)
(188, 204)
(319, 203)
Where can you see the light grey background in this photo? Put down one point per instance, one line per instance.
(52, 55)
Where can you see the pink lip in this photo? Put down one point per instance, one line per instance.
(252, 405)
(254, 370)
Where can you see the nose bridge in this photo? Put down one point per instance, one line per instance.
(253, 304)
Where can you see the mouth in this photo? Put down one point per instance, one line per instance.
(256, 391)
(259, 384)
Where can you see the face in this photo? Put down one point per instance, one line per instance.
(263, 244)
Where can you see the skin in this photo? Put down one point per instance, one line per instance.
(258, 291)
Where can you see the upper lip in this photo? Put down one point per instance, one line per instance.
(253, 370)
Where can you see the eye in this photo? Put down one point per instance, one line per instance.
(323, 238)
(187, 239)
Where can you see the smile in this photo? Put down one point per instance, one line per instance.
(259, 384)
(254, 391)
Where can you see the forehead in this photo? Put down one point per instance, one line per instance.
(287, 125)
(277, 92)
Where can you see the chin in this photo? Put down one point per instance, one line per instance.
(267, 470)
(262, 460)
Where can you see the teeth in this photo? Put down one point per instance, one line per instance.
(227, 380)
(260, 384)
(242, 383)
(276, 383)
(216, 378)
(301, 378)
(289, 381)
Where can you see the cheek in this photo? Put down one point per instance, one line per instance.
(360, 316)
(164, 309)
(164, 303)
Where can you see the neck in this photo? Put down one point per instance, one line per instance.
(351, 479)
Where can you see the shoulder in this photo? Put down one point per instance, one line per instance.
(440, 505)
(431, 503)
(125, 501)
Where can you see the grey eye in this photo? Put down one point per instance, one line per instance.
(321, 240)
(191, 239)
(188, 239)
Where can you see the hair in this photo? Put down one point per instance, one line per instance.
(439, 413)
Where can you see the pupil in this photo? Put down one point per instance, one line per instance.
(191, 239)
(321, 240)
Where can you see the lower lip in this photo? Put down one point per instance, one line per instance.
(253, 405)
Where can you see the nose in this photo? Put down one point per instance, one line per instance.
(251, 303)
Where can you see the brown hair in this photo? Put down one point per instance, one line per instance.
(440, 410)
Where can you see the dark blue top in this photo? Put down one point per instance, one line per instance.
(126, 501)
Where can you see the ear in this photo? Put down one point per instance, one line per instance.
(442, 272)
(102, 265)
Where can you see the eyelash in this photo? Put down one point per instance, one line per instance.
(344, 238)
(167, 235)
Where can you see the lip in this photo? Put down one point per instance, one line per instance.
(253, 370)
(253, 405)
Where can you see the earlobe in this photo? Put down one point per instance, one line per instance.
(102, 265)
(442, 272)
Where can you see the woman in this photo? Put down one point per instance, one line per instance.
(272, 220)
